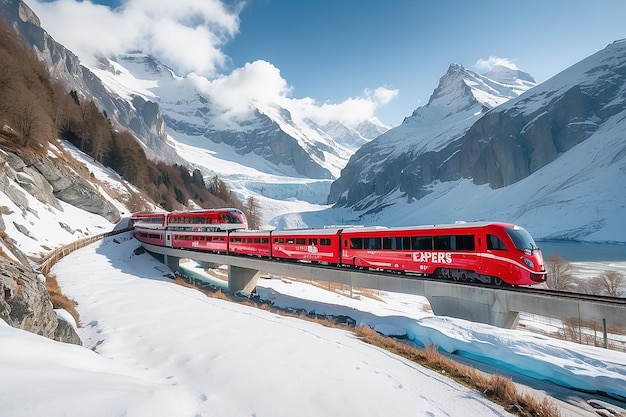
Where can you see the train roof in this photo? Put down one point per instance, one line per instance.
(249, 232)
(212, 210)
(459, 225)
(304, 232)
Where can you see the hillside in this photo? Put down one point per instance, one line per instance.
(550, 160)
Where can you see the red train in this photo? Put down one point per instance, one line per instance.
(194, 220)
(493, 253)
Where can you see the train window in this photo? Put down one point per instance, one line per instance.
(324, 242)
(422, 243)
(396, 243)
(494, 243)
(374, 243)
(313, 241)
(257, 240)
(301, 241)
(290, 240)
(463, 242)
(265, 240)
(248, 240)
(521, 239)
(442, 243)
(356, 243)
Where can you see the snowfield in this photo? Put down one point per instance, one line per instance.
(155, 348)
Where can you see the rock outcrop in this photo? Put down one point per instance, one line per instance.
(443, 142)
(49, 182)
(426, 146)
(25, 303)
(141, 117)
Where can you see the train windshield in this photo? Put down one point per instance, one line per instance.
(522, 239)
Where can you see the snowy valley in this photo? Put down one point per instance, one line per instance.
(492, 146)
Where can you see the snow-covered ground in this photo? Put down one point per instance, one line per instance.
(155, 348)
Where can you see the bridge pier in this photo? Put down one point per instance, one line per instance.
(242, 279)
(172, 262)
(487, 306)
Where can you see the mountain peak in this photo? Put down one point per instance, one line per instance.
(506, 75)
(461, 87)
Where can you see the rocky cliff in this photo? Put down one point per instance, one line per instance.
(25, 303)
(426, 147)
(140, 116)
(526, 134)
(32, 188)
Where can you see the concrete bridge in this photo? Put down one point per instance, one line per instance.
(496, 306)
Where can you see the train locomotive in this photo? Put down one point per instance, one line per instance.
(487, 252)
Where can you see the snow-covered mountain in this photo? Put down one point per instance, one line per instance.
(551, 160)
(268, 135)
(412, 155)
(265, 149)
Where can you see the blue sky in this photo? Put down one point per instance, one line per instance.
(333, 51)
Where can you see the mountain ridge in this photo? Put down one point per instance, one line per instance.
(551, 159)
(423, 143)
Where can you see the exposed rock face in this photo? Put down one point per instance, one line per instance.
(44, 179)
(142, 118)
(502, 146)
(25, 304)
(273, 144)
(425, 147)
(523, 142)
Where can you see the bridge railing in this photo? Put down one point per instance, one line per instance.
(59, 253)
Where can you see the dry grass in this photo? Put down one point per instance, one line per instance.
(59, 300)
(497, 388)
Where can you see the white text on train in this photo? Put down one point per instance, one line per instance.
(434, 257)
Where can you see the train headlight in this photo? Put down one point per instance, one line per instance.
(529, 263)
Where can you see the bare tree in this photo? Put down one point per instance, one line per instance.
(252, 213)
(560, 275)
(611, 281)
(590, 285)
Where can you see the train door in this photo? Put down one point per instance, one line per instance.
(168, 238)
(481, 245)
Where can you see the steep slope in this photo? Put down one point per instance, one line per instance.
(270, 153)
(267, 132)
(424, 148)
(139, 116)
(551, 160)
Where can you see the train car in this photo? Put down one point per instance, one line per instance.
(250, 242)
(151, 236)
(494, 253)
(207, 220)
(206, 241)
(311, 245)
(148, 220)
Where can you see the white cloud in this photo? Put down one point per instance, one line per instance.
(485, 65)
(186, 34)
(256, 83)
(260, 83)
(350, 111)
